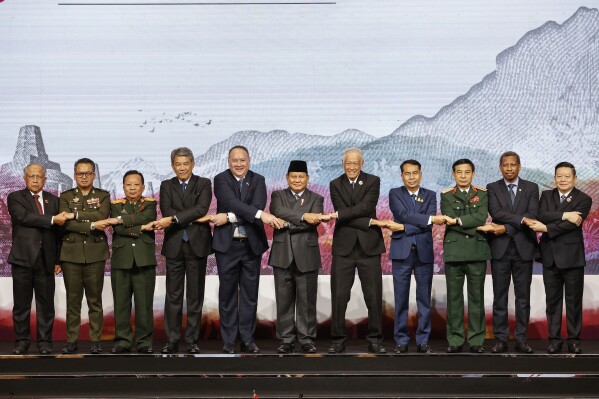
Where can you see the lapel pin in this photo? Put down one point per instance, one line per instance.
(360, 182)
(569, 199)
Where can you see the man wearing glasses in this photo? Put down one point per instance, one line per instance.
(84, 252)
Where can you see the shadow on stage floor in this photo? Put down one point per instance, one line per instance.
(354, 374)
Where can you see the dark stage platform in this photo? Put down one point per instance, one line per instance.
(354, 374)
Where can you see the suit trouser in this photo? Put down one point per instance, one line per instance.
(26, 280)
(186, 270)
(296, 292)
(343, 274)
(511, 266)
(138, 282)
(557, 280)
(239, 277)
(455, 274)
(80, 278)
(402, 277)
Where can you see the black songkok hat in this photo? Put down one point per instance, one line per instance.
(298, 166)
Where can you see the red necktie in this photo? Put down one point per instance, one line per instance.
(37, 202)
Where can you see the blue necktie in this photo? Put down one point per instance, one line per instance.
(185, 237)
(562, 198)
(510, 188)
(414, 206)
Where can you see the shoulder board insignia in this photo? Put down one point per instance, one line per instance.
(119, 201)
(479, 188)
(148, 199)
(447, 190)
(100, 190)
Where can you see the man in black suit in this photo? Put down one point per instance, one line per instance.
(561, 213)
(513, 202)
(295, 257)
(239, 242)
(34, 257)
(184, 200)
(357, 243)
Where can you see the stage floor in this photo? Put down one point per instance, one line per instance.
(354, 374)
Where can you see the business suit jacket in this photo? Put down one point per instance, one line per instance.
(355, 207)
(463, 243)
(563, 242)
(32, 231)
(415, 223)
(503, 212)
(80, 244)
(300, 240)
(187, 206)
(244, 205)
(130, 245)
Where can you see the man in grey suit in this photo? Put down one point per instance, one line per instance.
(513, 202)
(295, 256)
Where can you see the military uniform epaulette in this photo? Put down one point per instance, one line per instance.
(100, 190)
(71, 189)
(119, 201)
(447, 190)
(479, 188)
(148, 199)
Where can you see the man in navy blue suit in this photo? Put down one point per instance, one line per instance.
(414, 210)
(239, 242)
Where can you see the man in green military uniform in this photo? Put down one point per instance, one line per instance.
(133, 271)
(465, 252)
(84, 252)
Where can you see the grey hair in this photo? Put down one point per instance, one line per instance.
(182, 152)
(34, 164)
(353, 150)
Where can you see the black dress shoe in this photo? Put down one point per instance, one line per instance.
(574, 348)
(286, 349)
(145, 349)
(377, 348)
(45, 348)
(554, 347)
(401, 348)
(250, 347)
(477, 349)
(229, 348)
(95, 348)
(70, 348)
(523, 347)
(21, 348)
(337, 348)
(193, 349)
(500, 347)
(454, 348)
(423, 348)
(308, 348)
(117, 350)
(170, 347)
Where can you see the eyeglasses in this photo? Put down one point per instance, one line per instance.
(84, 174)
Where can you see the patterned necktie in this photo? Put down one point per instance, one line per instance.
(562, 198)
(414, 201)
(185, 236)
(297, 197)
(510, 188)
(39, 206)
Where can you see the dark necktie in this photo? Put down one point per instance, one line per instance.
(37, 203)
(510, 188)
(185, 236)
(562, 198)
(241, 228)
(414, 206)
(241, 184)
(297, 197)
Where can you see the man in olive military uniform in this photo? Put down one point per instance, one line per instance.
(465, 252)
(84, 252)
(133, 265)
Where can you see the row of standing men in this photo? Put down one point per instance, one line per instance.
(67, 234)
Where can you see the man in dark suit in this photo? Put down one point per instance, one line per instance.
(295, 257)
(512, 203)
(465, 252)
(34, 257)
(239, 242)
(133, 265)
(183, 200)
(414, 210)
(84, 252)
(357, 243)
(561, 213)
